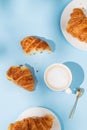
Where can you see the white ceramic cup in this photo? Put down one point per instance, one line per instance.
(58, 77)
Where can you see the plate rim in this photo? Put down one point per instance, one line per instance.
(64, 32)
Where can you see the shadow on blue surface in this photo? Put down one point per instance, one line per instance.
(4, 2)
(59, 118)
(77, 75)
(33, 72)
(50, 42)
(3, 49)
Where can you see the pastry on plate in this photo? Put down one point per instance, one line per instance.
(33, 123)
(33, 44)
(22, 76)
(77, 25)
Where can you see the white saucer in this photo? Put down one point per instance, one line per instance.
(39, 111)
(65, 18)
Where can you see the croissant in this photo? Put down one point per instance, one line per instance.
(22, 76)
(32, 44)
(33, 123)
(77, 25)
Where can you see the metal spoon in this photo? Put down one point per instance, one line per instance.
(79, 93)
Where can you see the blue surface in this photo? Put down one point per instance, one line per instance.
(18, 19)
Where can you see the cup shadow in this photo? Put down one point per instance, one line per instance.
(50, 42)
(77, 75)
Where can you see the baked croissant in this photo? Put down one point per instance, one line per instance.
(33, 123)
(77, 25)
(32, 44)
(22, 76)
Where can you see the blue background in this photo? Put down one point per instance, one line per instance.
(21, 18)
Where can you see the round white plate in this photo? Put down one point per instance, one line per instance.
(39, 111)
(65, 18)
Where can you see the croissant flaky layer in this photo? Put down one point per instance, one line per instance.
(32, 44)
(22, 76)
(33, 123)
(77, 25)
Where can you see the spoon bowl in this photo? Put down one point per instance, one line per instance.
(79, 93)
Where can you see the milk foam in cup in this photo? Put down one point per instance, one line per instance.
(58, 77)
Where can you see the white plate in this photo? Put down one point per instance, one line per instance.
(39, 111)
(65, 18)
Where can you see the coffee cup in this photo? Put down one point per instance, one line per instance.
(58, 77)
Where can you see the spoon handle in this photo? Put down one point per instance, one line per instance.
(73, 109)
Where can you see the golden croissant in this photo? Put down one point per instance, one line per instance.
(22, 76)
(32, 44)
(33, 123)
(77, 25)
